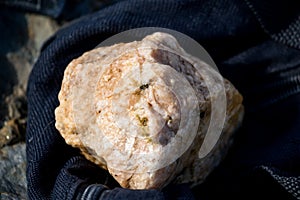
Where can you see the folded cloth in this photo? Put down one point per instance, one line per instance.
(47, 7)
(260, 56)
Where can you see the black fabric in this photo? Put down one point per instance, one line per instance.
(279, 19)
(273, 15)
(264, 68)
(61, 10)
(289, 182)
(48, 7)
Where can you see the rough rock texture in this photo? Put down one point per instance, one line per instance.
(20, 45)
(13, 171)
(143, 109)
(21, 38)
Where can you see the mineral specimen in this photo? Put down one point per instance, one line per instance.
(142, 110)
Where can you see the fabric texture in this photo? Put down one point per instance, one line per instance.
(250, 49)
(48, 7)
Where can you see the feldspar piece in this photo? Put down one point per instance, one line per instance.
(142, 110)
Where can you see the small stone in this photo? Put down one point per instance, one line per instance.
(13, 172)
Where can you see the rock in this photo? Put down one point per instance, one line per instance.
(13, 129)
(13, 172)
(22, 36)
(147, 112)
(17, 56)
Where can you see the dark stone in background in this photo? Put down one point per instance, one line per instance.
(12, 170)
(21, 37)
